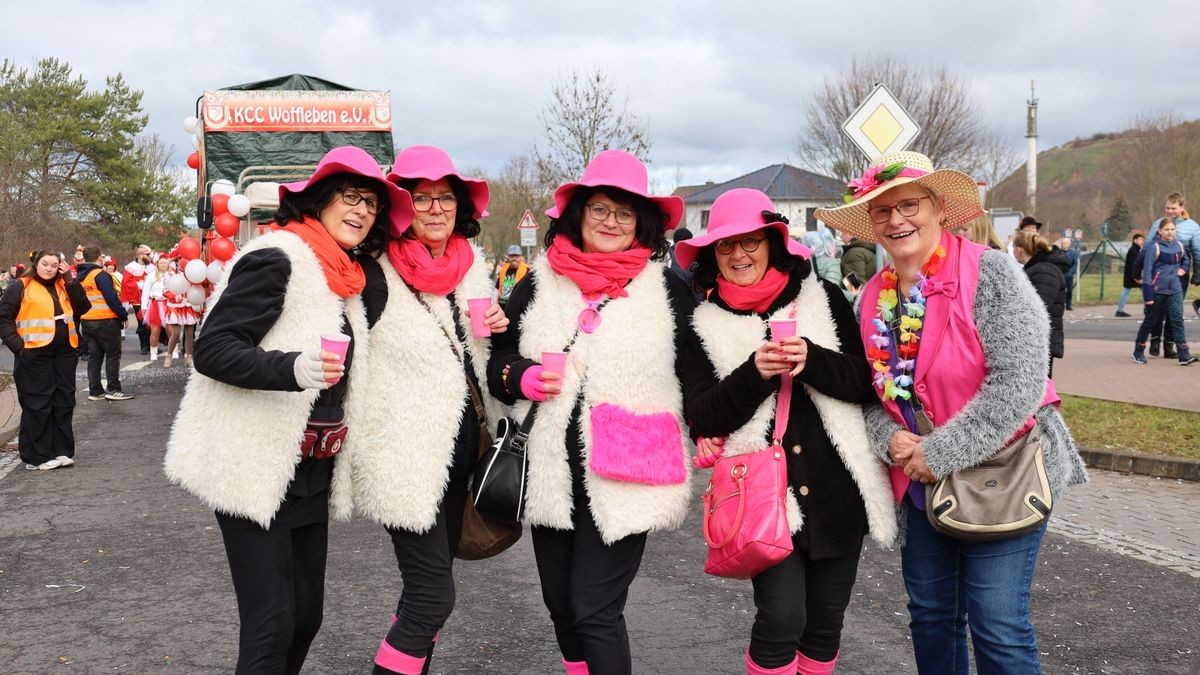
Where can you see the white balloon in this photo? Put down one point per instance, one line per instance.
(195, 143)
(216, 269)
(195, 295)
(198, 308)
(195, 271)
(191, 124)
(239, 205)
(178, 284)
(223, 187)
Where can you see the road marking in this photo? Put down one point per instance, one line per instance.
(8, 462)
(135, 366)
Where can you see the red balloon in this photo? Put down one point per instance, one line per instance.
(193, 160)
(189, 249)
(222, 248)
(220, 204)
(227, 224)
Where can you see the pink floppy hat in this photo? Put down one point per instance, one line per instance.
(618, 169)
(425, 162)
(349, 159)
(735, 212)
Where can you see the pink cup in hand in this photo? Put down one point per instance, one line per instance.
(337, 343)
(479, 308)
(784, 328)
(555, 362)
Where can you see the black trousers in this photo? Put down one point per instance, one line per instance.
(103, 338)
(45, 380)
(585, 584)
(279, 578)
(426, 571)
(801, 604)
(143, 329)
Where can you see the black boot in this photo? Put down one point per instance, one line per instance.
(1154, 346)
(1169, 351)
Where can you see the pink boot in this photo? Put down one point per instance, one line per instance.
(753, 668)
(393, 660)
(575, 667)
(807, 666)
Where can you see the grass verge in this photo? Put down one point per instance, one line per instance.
(1112, 425)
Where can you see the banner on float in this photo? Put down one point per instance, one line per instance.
(276, 110)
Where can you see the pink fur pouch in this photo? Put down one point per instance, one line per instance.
(627, 446)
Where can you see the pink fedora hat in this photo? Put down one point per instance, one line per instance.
(619, 169)
(349, 159)
(425, 162)
(738, 211)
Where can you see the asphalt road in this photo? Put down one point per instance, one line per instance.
(105, 567)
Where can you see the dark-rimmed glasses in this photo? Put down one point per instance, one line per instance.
(907, 208)
(599, 213)
(425, 202)
(749, 244)
(354, 198)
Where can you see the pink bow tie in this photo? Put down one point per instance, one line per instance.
(946, 288)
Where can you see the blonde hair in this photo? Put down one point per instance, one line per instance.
(980, 231)
(1030, 242)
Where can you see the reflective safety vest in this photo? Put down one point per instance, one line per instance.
(100, 308)
(36, 318)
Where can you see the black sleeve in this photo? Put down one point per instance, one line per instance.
(505, 346)
(104, 283)
(227, 349)
(78, 298)
(10, 306)
(844, 375)
(375, 294)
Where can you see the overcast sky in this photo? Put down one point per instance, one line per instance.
(721, 85)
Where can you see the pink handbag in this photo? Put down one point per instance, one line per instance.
(745, 506)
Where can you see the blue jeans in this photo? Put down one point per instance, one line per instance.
(1124, 296)
(954, 584)
(1170, 308)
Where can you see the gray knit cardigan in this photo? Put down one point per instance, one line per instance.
(1015, 332)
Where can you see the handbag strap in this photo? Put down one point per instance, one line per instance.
(783, 405)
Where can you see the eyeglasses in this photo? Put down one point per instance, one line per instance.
(749, 244)
(907, 207)
(355, 198)
(425, 202)
(600, 212)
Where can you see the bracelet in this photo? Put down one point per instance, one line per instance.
(504, 376)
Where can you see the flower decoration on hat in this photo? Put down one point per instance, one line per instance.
(876, 176)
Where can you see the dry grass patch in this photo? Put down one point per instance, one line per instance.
(1112, 425)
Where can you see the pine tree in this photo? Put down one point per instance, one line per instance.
(1120, 220)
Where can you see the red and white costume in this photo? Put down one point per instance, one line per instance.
(178, 311)
(133, 282)
(154, 303)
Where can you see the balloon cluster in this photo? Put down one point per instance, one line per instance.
(194, 273)
(228, 208)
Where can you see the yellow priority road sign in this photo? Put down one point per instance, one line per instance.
(881, 124)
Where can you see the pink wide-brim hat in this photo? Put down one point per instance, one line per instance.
(349, 159)
(736, 212)
(425, 162)
(618, 169)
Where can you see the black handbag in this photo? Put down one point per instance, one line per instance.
(499, 485)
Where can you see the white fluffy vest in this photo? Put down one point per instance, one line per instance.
(727, 338)
(237, 449)
(628, 361)
(402, 429)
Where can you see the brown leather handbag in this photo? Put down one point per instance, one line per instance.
(1006, 496)
(483, 537)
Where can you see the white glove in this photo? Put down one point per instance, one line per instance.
(309, 370)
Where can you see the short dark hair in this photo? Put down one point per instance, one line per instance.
(315, 197)
(705, 273)
(651, 220)
(91, 253)
(464, 218)
(681, 234)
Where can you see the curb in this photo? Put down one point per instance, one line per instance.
(1179, 468)
(10, 414)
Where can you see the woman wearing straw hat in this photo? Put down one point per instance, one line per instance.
(837, 488)
(957, 339)
(606, 451)
(260, 423)
(415, 425)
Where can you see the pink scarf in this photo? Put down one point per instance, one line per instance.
(596, 273)
(436, 276)
(758, 296)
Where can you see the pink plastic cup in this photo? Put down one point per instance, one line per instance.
(555, 362)
(337, 343)
(479, 308)
(783, 328)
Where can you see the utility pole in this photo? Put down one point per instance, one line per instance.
(1031, 165)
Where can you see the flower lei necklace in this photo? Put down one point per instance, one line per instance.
(894, 368)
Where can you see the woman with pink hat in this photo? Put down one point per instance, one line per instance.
(957, 341)
(837, 490)
(260, 427)
(606, 452)
(416, 423)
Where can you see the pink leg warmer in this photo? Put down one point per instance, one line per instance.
(397, 661)
(753, 668)
(575, 667)
(807, 666)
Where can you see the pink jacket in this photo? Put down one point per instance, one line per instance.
(950, 364)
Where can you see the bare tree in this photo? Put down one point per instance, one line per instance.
(997, 158)
(514, 190)
(1157, 155)
(952, 129)
(584, 117)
